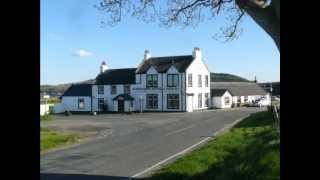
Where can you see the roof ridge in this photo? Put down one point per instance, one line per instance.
(168, 56)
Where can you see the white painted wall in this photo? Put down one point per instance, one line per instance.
(59, 108)
(44, 108)
(107, 96)
(198, 67)
(70, 103)
(140, 90)
(218, 102)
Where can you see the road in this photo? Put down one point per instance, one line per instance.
(122, 155)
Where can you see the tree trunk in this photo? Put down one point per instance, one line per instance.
(268, 18)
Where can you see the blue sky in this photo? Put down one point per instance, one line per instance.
(73, 44)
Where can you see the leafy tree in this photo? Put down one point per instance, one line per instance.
(266, 13)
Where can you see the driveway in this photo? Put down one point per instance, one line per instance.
(132, 144)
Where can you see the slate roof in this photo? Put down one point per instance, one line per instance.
(117, 76)
(239, 88)
(78, 90)
(162, 64)
(218, 92)
(124, 96)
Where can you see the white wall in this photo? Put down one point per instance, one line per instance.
(195, 68)
(140, 90)
(44, 109)
(70, 103)
(218, 102)
(59, 108)
(107, 96)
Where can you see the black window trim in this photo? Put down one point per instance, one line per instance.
(79, 103)
(190, 83)
(115, 91)
(172, 75)
(178, 98)
(154, 85)
(153, 97)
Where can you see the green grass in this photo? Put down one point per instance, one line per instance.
(50, 139)
(46, 117)
(248, 151)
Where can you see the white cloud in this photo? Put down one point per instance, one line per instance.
(82, 53)
(54, 36)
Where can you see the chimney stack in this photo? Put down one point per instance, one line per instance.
(147, 55)
(103, 67)
(197, 53)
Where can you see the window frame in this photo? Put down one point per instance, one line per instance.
(190, 80)
(113, 90)
(206, 99)
(173, 76)
(225, 100)
(154, 103)
(199, 80)
(101, 105)
(101, 89)
(177, 99)
(154, 80)
(79, 99)
(200, 100)
(126, 86)
(206, 81)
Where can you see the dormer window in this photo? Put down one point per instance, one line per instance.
(172, 80)
(152, 80)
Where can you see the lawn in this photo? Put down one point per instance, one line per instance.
(50, 139)
(250, 150)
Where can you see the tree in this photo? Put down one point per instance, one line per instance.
(266, 13)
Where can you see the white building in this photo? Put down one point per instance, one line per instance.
(172, 83)
(221, 98)
(242, 93)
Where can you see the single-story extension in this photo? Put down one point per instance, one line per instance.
(241, 92)
(76, 98)
(221, 98)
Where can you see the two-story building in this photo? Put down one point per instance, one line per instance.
(171, 83)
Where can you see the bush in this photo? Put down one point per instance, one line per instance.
(46, 117)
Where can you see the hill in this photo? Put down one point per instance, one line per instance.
(223, 77)
(60, 88)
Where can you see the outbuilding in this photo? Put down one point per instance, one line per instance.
(242, 92)
(77, 98)
(221, 98)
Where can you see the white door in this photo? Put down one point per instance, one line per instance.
(189, 103)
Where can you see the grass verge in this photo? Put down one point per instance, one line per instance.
(50, 139)
(250, 150)
(46, 117)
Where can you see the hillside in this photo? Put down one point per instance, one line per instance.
(223, 77)
(55, 89)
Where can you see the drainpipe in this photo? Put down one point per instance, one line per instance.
(162, 91)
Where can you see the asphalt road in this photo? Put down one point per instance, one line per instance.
(122, 155)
